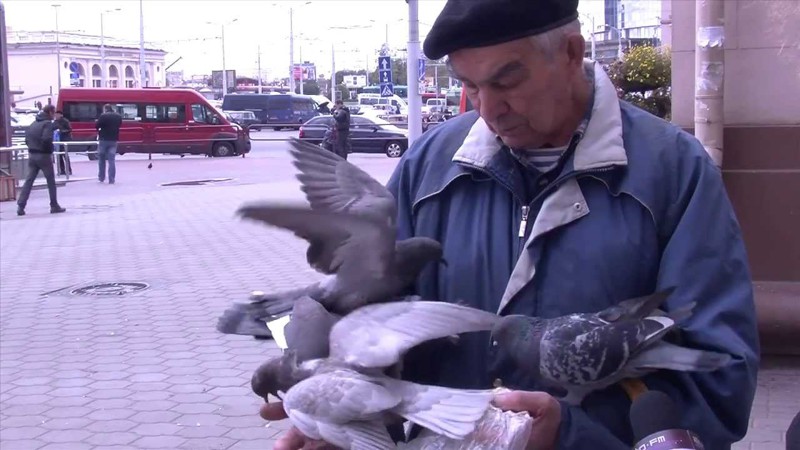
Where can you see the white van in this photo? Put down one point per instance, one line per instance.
(365, 101)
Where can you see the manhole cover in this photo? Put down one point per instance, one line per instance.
(110, 289)
(196, 182)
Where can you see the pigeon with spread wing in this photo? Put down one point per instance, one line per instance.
(351, 231)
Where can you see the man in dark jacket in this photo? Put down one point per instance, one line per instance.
(39, 140)
(107, 125)
(555, 197)
(341, 115)
(65, 134)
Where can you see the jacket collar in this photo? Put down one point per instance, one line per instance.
(600, 146)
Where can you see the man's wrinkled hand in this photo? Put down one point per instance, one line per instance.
(543, 408)
(293, 439)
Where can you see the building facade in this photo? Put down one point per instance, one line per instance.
(36, 58)
(761, 140)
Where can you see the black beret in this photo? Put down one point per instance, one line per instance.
(480, 23)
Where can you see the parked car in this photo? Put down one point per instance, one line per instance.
(20, 123)
(279, 110)
(154, 120)
(368, 134)
(243, 118)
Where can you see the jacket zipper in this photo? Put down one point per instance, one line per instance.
(523, 224)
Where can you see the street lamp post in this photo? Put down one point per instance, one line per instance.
(58, 46)
(103, 68)
(224, 71)
(142, 68)
(592, 37)
(619, 40)
(414, 98)
(333, 75)
(291, 50)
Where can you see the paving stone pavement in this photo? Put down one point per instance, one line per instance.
(148, 370)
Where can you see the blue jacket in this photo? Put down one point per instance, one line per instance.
(638, 207)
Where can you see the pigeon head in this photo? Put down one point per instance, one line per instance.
(517, 337)
(276, 375)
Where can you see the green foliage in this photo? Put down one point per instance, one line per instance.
(311, 87)
(643, 77)
(342, 92)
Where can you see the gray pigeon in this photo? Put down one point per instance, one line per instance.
(346, 399)
(581, 353)
(351, 229)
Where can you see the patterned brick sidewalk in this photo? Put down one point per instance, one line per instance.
(148, 370)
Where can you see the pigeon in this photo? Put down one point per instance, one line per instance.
(351, 230)
(346, 399)
(580, 353)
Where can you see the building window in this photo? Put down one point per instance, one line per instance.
(113, 83)
(129, 83)
(97, 83)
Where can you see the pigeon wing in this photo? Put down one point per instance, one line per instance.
(307, 331)
(333, 184)
(601, 350)
(378, 335)
(339, 396)
(348, 245)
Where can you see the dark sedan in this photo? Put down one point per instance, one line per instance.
(367, 134)
(243, 118)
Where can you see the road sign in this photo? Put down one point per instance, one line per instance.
(385, 76)
(385, 63)
(421, 69)
(74, 74)
(387, 89)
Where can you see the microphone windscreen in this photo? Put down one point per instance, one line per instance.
(652, 412)
(793, 434)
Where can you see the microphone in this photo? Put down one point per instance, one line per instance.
(656, 424)
(793, 434)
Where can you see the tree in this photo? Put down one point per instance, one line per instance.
(342, 92)
(311, 87)
(643, 77)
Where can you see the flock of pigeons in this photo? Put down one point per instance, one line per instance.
(340, 376)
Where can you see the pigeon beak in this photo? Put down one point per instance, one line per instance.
(443, 262)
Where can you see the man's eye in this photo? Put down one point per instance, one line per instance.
(505, 85)
(470, 87)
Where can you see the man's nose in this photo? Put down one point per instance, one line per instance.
(491, 105)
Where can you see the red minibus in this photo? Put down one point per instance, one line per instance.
(154, 120)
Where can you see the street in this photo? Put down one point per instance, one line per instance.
(107, 312)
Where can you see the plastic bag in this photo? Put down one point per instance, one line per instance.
(497, 429)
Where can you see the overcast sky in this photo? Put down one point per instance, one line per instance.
(182, 28)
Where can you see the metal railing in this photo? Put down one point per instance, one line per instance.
(20, 154)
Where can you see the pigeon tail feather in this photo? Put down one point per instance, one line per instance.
(641, 307)
(237, 320)
(664, 355)
(454, 413)
(682, 313)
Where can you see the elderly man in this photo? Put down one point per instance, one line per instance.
(555, 197)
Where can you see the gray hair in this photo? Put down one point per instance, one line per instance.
(551, 41)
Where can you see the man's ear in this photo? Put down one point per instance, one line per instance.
(576, 49)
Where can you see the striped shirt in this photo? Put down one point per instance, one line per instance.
(546, 159)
